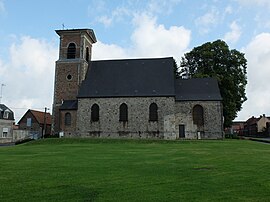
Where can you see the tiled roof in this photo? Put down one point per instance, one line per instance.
(40, 116)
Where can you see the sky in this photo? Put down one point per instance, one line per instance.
(128, 29)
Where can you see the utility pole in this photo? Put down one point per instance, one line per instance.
(1, 93)
(44, 123)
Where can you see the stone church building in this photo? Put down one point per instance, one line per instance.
(129, 98)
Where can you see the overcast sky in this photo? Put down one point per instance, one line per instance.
(128, 29)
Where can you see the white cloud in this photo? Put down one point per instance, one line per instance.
(258, 56)
(103, 51)
(228, 10)
(155, 40)
(162, 6)
(2, 7)
(235, 33)
(29, 75)
(149, 39)
(263, 3)
(208, 20)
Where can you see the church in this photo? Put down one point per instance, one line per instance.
(129, 98)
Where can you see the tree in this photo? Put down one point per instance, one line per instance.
(227, 66)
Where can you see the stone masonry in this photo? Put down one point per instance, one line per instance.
(138, 124)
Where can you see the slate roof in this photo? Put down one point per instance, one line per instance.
(69, 105)
(129, 78)
(197, 89)
(2, 110)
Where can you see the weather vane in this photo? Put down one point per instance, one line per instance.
(63, 26)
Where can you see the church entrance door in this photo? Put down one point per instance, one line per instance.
(181, 131)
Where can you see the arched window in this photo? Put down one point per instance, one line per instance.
(67, 119)
(153, 112)
(123, 116)
(71, 52)
(197, 114)
(95, 113)
(87, 54)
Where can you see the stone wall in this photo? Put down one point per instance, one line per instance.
(213, 123)
(6, 124)
(69, 130)
(138, 124)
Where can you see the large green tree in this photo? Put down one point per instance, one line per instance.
(215, 59)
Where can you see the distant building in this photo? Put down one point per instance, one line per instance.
(257, 126)
(6, 124)
(35, 122)
(236, 128)
(129, 98)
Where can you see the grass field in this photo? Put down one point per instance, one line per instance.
(133, 170)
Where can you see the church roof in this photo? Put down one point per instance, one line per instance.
(129, 78)
(200, 89)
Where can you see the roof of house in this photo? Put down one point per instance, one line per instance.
(129, 78)
(39, 116)
(69, 105)
(200, 89)
(4, 108)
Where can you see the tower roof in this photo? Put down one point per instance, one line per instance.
(89, 32)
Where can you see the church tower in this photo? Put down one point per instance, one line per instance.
(75, 52)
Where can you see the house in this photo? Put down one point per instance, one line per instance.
(34, 122)
(6, 124)
(129, 98)
(256, 126)
(236, 128)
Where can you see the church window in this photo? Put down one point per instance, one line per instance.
(153, 112)
(123, 112)
(197, 114)
(95, 113)
(71, 51)
(87, 54)
(67, 119)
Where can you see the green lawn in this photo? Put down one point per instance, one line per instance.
(133, 170)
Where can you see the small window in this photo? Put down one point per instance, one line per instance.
(67, 119)
(87, 54)
(123, 116)
(6, 114)
(29, 122)
(95, 113)
(69, 77)
(5, 132)
(153, 112)
(71, 53)
(197, 114)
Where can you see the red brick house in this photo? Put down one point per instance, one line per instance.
(35, 121)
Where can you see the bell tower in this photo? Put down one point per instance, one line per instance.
(75, 52)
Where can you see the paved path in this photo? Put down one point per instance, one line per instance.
(265, 140)
(7, 144)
